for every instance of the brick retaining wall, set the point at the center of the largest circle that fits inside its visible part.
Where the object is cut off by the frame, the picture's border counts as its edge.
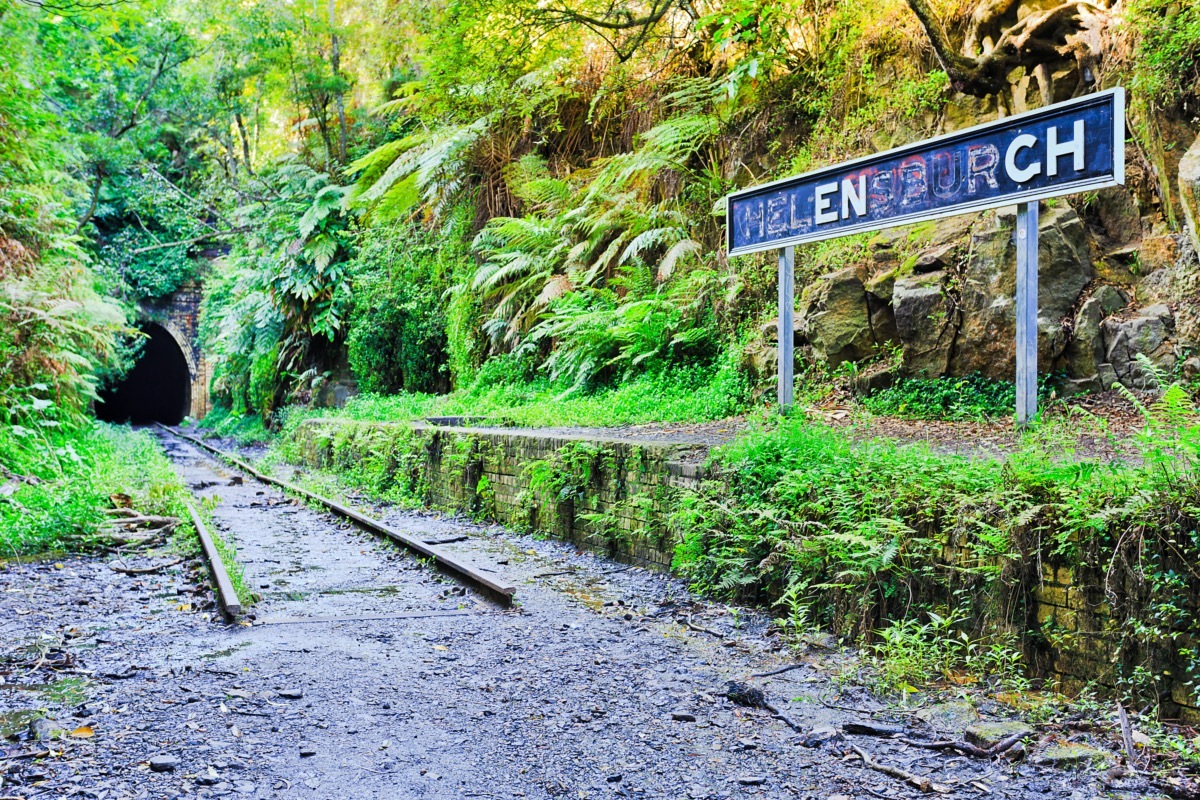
(616, 503)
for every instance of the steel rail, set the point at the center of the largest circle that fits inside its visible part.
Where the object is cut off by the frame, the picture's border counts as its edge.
(226, 594)
(495, 588)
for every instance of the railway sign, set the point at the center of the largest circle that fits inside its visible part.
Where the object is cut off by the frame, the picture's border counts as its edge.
(1061, 149)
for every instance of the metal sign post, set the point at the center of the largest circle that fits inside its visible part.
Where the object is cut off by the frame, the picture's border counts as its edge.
(1061, 149)
(1027, 308)
(787, 311)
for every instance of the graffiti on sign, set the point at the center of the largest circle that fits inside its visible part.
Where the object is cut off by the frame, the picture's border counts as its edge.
(1061, 149)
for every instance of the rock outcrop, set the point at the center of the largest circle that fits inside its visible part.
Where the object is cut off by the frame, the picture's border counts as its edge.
(1189, 191)
(836, 319)
(925, 323)
(951, 306)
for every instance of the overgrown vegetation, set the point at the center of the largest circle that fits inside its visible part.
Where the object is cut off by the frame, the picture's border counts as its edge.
(885, 539)
(58, 485)
(509, 391)
(970, 398)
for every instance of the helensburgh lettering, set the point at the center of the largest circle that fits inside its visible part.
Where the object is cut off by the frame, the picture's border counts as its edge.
(1057, 150)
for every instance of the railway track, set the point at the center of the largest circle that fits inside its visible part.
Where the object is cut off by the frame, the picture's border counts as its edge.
(496, 588)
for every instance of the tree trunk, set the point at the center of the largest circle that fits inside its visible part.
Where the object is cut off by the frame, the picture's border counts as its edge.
(241, 126)
(335, 61)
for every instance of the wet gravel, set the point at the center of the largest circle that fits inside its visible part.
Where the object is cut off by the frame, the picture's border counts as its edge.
(365, 674)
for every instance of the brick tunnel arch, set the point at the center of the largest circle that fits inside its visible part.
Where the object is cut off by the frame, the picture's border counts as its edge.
(159, 386)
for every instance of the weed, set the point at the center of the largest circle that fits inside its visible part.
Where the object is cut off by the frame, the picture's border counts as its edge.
(62, 482)
(971, 398)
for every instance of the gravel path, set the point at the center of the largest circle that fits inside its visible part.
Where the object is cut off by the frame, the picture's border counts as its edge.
(593, 687)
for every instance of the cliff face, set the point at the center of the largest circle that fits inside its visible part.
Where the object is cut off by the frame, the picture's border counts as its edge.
(1118, 270)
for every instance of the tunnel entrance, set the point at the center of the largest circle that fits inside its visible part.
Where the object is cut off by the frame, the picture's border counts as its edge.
(157, 389)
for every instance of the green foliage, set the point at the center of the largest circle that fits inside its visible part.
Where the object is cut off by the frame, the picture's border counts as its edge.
(508, 389)
(971, 398)
(397, 337)
(242, 428)
(60, 484)
(907, 653)
(1166, 61)
(281, 295)
(397, 340)
(57, 334)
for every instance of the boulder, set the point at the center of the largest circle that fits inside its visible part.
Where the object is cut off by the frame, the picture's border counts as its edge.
(1064, 269)
(42, 729)
(924, 323)
(1189, 191)
(1158, 252)
(760, 357)
(986, 342)
(880, 286)
(938, 257)
(964, 110)
(1147, 332)
(768, 332)
(1118, 215)
(990, 734)
(835, 318)
(883, 320)
(988, 296)
(1070, 754)
(1086, 349)
(1157, 287)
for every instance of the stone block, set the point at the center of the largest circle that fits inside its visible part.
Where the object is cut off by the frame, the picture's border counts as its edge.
(988, 734)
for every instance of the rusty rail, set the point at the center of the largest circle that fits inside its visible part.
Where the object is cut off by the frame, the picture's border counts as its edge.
(225, 591)
(495, 588)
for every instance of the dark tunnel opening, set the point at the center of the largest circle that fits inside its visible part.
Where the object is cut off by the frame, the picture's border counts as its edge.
(157, 389)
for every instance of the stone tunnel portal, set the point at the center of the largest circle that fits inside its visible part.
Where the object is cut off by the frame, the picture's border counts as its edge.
(157, 389)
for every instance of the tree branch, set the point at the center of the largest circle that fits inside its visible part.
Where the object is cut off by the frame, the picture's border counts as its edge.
(1031, 42)
(91, 210)
(161, 69)
(193, 240)
(979, 77)
(613, 20)
(187, 196)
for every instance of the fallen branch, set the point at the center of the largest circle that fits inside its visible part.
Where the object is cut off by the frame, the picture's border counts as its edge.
(965, 747)
(123, 512)
(1126, 736)
(141, 519)
(919, 781)
(779, 715)
(692, 626)
(193, 240)
(556, 574)
(30, 754)
(779, 671)
(144, 570)
(999, 748)
(138, 542)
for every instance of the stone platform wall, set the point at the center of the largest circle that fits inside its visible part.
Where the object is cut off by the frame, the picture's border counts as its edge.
(609, 495)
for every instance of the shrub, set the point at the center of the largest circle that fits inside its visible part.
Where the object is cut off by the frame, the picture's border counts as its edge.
(397, 338)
